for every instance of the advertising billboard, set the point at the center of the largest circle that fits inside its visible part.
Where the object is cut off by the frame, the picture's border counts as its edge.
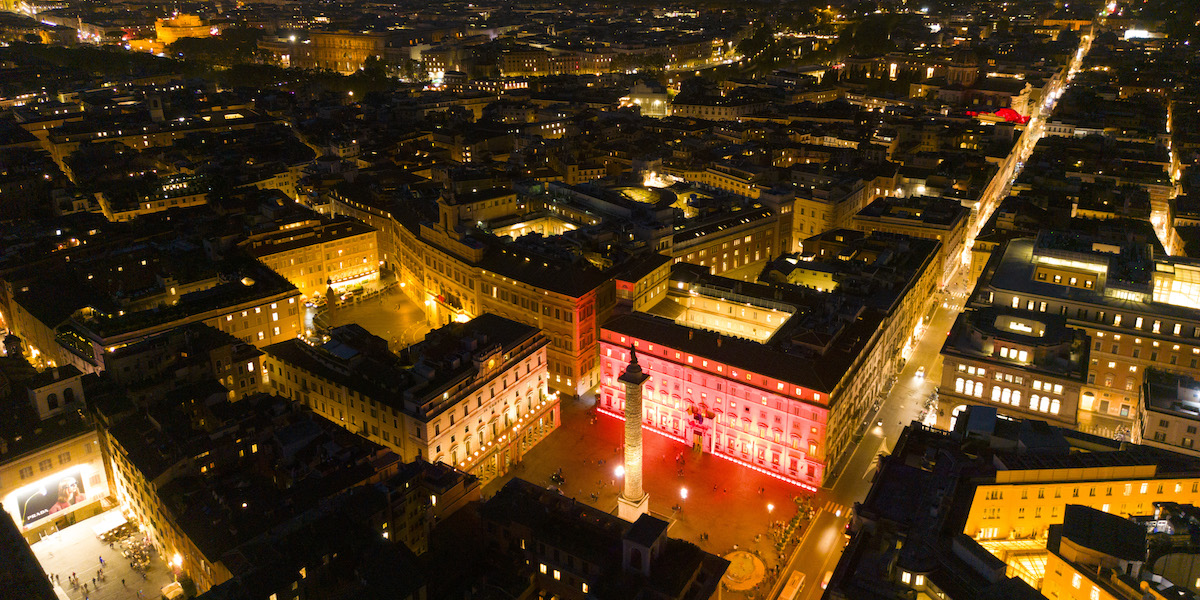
(54, 494)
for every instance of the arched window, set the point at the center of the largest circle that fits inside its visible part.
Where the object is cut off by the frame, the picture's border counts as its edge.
(958, 385)
(52, 400)
(1054, 406)
(954, 414)
(995, 393)
(978, 389)
(1033, 402)
(1006, 396)
(1016, 397)
(68, 395)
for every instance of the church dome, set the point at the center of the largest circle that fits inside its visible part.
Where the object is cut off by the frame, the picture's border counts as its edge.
(964, 57)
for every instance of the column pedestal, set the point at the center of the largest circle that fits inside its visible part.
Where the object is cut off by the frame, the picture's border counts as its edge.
(630, 510)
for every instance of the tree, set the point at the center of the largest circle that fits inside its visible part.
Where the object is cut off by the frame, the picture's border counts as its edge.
(375, 67)
(412, 70)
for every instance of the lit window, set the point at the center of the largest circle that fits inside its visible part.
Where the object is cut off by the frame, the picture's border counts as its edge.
(919, 580)
(1076, 580)
(544, 570)
(585, 588)
(905, 577)
(557, 575)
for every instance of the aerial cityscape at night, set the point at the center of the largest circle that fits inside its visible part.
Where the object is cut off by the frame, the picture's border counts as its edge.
(617, 300)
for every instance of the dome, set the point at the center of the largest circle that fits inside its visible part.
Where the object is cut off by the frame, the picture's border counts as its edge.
(964, 57)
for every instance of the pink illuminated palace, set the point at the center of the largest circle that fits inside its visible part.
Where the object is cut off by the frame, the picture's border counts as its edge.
(758, 417)
(780, 374)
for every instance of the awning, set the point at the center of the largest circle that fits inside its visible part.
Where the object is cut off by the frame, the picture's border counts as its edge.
(172, 590)
(112, 520)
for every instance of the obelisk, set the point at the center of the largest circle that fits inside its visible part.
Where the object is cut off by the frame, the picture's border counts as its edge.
(633, 501)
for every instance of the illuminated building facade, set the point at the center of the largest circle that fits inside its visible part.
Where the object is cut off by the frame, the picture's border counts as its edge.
(776, 375)
(720, 395)
(51, 466)
(181, 26)
(316, 256)
(1026, 364)
(1137, 309)
(1168, 412)
(206, 475)
(253, 304)
(940, 219)
(456, 277)
(1094, 555)
(474, 395)
(983, 517)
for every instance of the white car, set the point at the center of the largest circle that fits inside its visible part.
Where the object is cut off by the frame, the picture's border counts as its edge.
(921, 373)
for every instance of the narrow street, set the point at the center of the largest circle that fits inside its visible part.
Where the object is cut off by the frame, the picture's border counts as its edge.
(822, 544)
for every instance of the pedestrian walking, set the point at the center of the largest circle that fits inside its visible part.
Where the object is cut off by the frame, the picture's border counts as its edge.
(122, 583)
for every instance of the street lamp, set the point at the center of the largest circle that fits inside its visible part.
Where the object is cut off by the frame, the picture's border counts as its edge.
(770, 508)
(620, 470)
(24, 509)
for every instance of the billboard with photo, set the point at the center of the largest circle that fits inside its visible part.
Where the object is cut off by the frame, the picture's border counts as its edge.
(55, 494)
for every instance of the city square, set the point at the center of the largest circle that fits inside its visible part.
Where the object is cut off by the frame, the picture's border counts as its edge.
(77, 551)
(719, 505)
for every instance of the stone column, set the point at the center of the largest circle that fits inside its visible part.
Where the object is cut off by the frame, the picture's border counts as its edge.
(633, 501)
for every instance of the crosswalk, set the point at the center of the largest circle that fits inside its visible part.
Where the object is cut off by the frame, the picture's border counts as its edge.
(835, 508)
